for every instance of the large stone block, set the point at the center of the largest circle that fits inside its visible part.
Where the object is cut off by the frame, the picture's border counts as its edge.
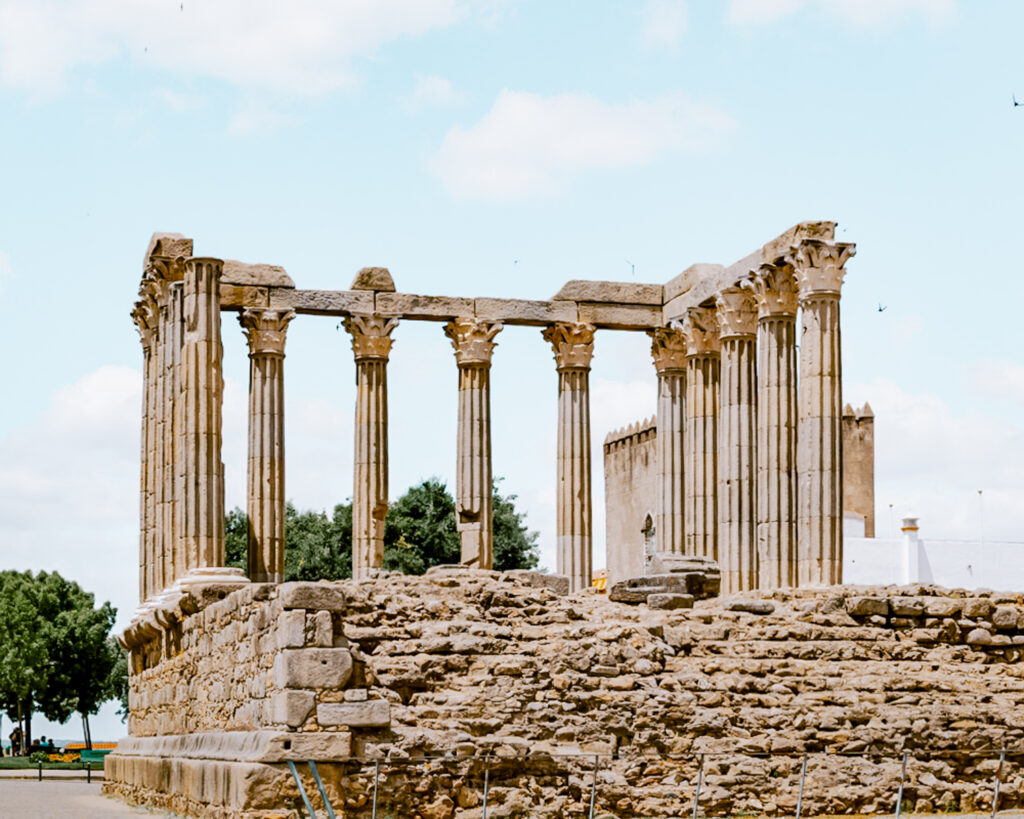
(638, 589)
(292, 707)
(318, 596)
(313, 668)
(291, 629)
(368, 714)
(558, 583)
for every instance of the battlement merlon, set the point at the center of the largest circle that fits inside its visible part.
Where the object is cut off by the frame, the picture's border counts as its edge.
(603, 304)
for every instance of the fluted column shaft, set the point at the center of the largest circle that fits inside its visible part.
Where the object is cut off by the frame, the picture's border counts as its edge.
(737, 457)
(775, 289)
(265, 332)
(573, 345)
(176, 464)
(668, 348)
(202, 394)
(146, 315)
(473, 342)
(371, 345)
(819, 268)
(701, 439)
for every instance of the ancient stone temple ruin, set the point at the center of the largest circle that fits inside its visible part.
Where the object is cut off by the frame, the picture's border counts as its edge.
(418, 694)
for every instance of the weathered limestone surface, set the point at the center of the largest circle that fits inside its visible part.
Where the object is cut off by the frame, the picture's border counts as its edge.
(703, 364)
(469, 663)
(774, 287)
(859, 465)
(473, 341)
(819, 274)
(631, 487)
(265, 332)
(668, 348)
(737, 458)
(371, 345)
(573, 345)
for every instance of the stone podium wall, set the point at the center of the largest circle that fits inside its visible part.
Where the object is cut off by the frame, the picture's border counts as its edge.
(473, 665)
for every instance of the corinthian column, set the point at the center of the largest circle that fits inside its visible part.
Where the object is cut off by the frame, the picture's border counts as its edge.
(202, 393)
(819, 274)
(265, 331)
(775, 290)
(371, 344)
(473, 340)
(701, 447)
(146, 316)
(737, 462)
(668, 348)
(573, 345)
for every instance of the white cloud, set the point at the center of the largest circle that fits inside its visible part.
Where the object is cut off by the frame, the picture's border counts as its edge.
(860, 13)
(432, 92)
(304, 46)
(256, 116)
(664, 22)
(5, 267)
(177, 101)
(932, 461)
(530, 144)
(1002, 380)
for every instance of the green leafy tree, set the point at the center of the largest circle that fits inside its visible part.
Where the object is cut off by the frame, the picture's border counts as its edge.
(117, 679)
(419, 532)
(515, 546)
(54, 650)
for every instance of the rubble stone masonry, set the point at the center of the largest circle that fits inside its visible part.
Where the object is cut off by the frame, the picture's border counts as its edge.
(504, 672)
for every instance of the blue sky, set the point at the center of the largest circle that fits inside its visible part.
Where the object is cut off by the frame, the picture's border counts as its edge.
(499, 148)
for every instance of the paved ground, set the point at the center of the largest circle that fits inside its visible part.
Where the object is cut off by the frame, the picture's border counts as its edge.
(62, 799)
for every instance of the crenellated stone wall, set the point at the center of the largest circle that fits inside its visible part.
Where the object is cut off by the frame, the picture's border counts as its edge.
(473, 666)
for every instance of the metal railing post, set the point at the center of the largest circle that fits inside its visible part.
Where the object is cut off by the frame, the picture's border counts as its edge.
(999, 774)
(302, 789)
(88, 773)
(899, 793)
(700, 781)
(487, 772)
(376, 777)
(320, 787)
(593, 787)
(800, 797)
(40, 771)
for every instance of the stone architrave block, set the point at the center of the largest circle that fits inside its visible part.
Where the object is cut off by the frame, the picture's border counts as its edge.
(670, 601)
(942, 607)
(318, 596)
(977, 607)
(368, 714)
(908, 606)
(323, 629)
(291, 629)
(292, 707)
(312, 668)
(638, 589)
(558, 583)
(865, 606)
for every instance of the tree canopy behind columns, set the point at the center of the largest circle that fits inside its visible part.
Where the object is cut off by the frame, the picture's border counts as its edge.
(419, 532)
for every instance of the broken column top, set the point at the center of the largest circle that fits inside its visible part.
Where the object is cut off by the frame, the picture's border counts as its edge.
(374, 278)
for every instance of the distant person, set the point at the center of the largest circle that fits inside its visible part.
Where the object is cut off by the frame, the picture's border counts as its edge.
(15, 738)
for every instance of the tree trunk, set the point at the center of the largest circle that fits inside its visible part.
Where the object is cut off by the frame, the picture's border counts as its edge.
(27, 741)
(87, 734)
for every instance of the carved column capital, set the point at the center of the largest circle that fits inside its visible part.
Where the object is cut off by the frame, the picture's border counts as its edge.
(371, 335)
(701, 328)
(668, 349)
(737, 313)
(146, 315)
(573, 344)
(168, 268)
(774, 289)
(473, 340)
(819, 266)
(265, 329)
